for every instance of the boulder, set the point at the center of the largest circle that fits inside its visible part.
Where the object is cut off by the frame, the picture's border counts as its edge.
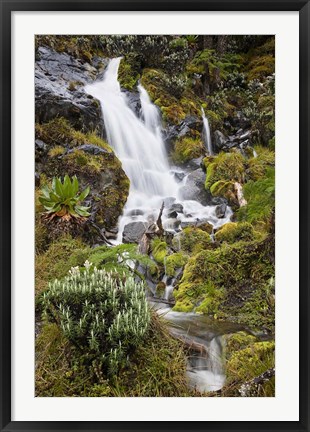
(220, 211)
(133, 232)
(194, 188)
(59, 92)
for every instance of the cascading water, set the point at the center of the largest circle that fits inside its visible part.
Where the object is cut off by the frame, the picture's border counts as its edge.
(207, 134)
(139, 145)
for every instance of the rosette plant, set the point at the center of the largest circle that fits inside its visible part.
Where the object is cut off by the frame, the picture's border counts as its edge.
(63, 199)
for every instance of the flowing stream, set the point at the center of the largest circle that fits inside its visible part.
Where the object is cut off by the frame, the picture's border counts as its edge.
(138, 143)
(207, 133)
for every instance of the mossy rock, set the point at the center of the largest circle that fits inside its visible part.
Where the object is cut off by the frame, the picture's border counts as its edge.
(174, 262)
(248, 363)
(226, 166)
(128, 72)
(240, 276)
(186, 149)
(193, 240)
(93, 162)
(237, 341)
(159, 250)
(160, 289)
(232, 232)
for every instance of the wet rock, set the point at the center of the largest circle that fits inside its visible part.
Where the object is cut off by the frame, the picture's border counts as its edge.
(179, 176)
(219, 140)
(90, 149)
(134, 231)
(177, 207)
(194, 188)
(59, 92)
(220, 211)
(134, 102)
(172, 215)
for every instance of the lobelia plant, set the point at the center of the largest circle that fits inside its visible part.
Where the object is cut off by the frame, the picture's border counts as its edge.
(63, 199)
(104, 317)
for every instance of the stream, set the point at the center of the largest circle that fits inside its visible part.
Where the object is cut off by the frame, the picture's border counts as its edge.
(138, 142)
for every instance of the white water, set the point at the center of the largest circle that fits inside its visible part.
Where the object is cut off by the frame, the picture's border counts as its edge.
(138, 143)
(206, 129)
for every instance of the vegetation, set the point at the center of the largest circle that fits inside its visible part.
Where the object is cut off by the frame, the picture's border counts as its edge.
(98, 336)
(63, 199)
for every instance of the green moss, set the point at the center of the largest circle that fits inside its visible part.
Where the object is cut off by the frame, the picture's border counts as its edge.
(56, 151)
(128, 74)
(186, 149)
(58, 259)
(233, 231)
(240, 274)
(248, 363)
(59, 132)
(159, 250)
(193, 240)
(156, 369)
(225, 166)
(174, 262)
(258, 166)
(160, 289)
(261, 66)
(237, 341)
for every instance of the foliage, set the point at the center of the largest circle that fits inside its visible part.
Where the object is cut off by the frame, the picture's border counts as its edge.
(103, 317)
(187, 148)
(233, 231)
(260, 196)
(193, 240)
(174, 262)
(159, 250)
(225, 166)
(63, 199)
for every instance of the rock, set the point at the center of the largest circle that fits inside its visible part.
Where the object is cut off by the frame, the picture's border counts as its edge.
(174, 132)
(179, 176)
(134, 231)
(177, 207)
(220, 211)
(195, 163)
(59, 92)
(219, 140)
(172, 215)
(134, 101)
(90, 149)
(194, 188)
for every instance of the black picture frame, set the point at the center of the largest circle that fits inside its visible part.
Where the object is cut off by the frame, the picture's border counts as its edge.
(7, 7)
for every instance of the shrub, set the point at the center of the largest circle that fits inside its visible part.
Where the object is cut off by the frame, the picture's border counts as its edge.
(63, 200)
(103, 317)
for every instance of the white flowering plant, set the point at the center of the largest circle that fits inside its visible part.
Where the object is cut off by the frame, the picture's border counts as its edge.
(104, 317)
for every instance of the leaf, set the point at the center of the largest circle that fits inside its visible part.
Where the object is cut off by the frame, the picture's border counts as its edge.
(59, 187)
(45, 191)
(75, 185)
(84, 194)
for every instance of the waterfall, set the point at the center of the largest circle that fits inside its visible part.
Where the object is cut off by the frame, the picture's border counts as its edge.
(207, 134)
(136, 143)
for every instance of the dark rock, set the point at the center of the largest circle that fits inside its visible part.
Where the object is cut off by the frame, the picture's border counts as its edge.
(177, 207)
(172, 215)
(40, 145)
(59, 92)
(195, 163)
(91, 149)
(134, 231)
(219, 140)
(194, 188)
(220, 211)
(179, 176)
(134, 102)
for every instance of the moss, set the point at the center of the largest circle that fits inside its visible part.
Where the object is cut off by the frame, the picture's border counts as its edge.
(156, 369)
(128, 74)
(237, 341)
(258, 166)
(261, 66)
(234, 231)
(240, 273)
(160, 289)
(159, 250)
(174, 262)
(250, 362)
(193, 240)
(59, 132)
(226, 166)
(186, 149)
(56, 151)
(58, 259)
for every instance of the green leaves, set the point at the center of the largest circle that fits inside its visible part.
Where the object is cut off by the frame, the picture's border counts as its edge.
(63, 199)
